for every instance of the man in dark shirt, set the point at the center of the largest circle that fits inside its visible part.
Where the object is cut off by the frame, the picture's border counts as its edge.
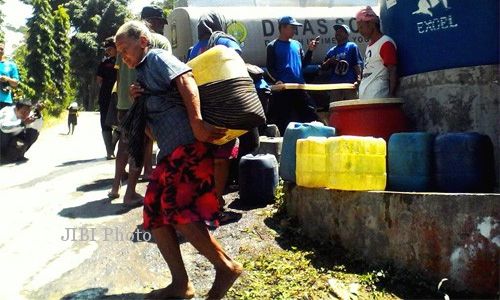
(106, 78)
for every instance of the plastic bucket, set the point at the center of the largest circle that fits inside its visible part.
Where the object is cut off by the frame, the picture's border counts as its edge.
(368, 117)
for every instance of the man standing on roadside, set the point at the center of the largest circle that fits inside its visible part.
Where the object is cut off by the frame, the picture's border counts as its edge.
(285, 61)
(344, 61)
(380, 76)
(153, 16)
(9, 78)
(106, 78)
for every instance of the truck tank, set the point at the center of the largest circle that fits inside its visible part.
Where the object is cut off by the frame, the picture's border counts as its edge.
(255, 27)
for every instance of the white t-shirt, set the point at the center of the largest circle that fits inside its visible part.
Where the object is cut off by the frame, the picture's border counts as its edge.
(9, 123)
(375, 82)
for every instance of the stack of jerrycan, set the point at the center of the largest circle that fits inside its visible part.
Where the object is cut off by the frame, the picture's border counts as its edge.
(409, 162)
(464, 163)
(294, 132)
(258, 178)
(352, 163)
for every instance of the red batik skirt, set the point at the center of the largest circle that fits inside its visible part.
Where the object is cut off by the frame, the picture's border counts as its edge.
(181, 189)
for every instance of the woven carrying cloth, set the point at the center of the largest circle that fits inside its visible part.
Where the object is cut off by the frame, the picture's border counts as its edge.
(134, 125)
(231, 103)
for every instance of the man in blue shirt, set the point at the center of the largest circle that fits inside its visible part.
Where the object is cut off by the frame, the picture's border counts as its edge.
(9, 78)
(211, 32)
(344, 61)
(207, 25)
(285, 61)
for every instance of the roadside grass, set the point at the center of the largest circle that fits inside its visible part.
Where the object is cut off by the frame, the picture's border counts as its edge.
(305, 269)
(51, 121)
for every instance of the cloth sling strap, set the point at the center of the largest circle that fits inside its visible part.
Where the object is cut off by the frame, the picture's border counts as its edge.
(231, 103)
(134, 125)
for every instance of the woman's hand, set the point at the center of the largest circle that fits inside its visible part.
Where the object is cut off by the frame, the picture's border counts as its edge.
(205, 132)
(135, 90)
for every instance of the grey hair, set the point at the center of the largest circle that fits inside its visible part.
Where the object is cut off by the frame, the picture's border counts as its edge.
(134, 30)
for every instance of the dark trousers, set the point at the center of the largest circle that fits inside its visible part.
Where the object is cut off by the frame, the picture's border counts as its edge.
(291, 106)
(103, 110)
(13, 147)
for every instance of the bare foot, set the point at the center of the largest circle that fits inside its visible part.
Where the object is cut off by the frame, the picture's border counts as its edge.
(224, 280)
(172, 292)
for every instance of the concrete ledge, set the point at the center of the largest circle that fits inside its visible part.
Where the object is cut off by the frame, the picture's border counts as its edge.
(454, 236)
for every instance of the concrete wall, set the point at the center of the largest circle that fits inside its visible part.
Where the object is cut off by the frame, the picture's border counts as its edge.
(454, 236)
(461, 99)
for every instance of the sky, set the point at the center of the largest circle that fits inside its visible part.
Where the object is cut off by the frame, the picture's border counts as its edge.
(16, 19)
(15, 14)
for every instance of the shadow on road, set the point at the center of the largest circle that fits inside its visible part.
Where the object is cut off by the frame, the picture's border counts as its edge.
(100, 293)
(140, 235)
(97, 185)
(76, 162)
(95, 209)
(239, 204)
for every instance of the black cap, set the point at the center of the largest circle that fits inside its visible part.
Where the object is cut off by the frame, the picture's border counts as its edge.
(152, 12)
(343, 26)
(24, 102)
(109, 42)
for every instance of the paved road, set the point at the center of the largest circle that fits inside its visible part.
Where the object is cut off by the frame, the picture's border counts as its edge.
(51, 206)
(62, 238)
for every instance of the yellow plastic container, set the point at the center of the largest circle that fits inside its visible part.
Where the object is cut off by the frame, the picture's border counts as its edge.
(216, 64)
(311, 168)
(231, 134)
(356, 163)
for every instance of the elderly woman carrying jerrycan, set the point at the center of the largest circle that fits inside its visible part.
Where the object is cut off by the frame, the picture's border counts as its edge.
(181, 194)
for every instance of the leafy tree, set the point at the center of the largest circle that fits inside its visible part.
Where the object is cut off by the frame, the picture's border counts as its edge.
(41, 52)
(47, 46)
(167, 5)
(113, 17)
(84, 62)
(98, 20)
(86, 17)
(62, 49)
(23, 90)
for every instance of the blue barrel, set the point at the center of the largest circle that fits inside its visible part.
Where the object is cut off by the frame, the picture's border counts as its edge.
(293, 132)
(439, 25)
(258, 178)
(409, 162)
(464, 163)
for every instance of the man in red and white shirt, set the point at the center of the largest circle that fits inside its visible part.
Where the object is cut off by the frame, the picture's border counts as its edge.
(380, 69)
